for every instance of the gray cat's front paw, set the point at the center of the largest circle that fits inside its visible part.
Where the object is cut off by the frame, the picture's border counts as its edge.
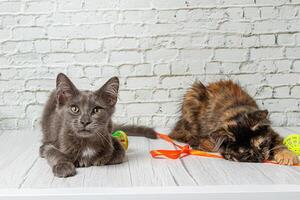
(42, 151)
(64, 169)
(100, 162)
(46, 148)
(115, 161)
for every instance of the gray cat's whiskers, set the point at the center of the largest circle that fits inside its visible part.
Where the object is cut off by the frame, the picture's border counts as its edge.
(103, 137)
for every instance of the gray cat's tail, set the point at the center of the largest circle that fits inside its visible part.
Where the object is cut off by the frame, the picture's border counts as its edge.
(133, 130)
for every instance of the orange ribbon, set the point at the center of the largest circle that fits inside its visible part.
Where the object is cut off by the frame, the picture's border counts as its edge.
(181, 152)
(184, 151)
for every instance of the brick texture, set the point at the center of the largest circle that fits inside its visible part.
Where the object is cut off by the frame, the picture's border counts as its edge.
(156, 47)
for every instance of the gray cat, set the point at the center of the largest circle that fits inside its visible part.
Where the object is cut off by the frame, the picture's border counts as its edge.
(77, 127)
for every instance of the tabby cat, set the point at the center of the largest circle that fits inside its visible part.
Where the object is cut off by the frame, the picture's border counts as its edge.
(223, 118)
(77, 127)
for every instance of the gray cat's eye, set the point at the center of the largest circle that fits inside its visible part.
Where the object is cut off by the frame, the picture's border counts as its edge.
(97, 109)
(74, 109)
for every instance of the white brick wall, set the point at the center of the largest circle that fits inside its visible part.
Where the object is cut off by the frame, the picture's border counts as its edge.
(156, 47)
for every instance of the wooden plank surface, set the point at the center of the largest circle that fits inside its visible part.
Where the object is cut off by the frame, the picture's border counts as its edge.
(20, 167)
(239, 192)
(18, 153)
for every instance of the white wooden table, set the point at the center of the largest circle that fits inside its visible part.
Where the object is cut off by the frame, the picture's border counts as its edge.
(23, 175)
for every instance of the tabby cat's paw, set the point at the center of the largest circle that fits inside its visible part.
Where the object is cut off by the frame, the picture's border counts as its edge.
(230, 157)
(286, 157)
(64, 169)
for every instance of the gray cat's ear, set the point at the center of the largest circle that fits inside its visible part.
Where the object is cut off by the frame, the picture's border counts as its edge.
(109, 91)
(65, 89)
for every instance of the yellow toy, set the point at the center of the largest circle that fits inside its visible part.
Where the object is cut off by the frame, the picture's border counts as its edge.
(122, 137)
(293, 143)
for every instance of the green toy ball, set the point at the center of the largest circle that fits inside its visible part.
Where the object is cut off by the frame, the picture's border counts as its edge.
(122, 137)
(293, 143)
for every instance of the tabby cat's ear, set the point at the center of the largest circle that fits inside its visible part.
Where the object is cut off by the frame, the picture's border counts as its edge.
(259, 115)
(109, 91)
(258, 118)
(65, 89)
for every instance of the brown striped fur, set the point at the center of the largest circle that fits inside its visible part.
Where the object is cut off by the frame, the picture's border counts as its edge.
(222, 117)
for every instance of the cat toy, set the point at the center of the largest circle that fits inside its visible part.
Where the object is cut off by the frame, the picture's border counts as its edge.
(293, 143)
(122, 137)
(183, 151)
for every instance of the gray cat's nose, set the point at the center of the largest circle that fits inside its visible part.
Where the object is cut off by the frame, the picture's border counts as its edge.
(85, 122)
